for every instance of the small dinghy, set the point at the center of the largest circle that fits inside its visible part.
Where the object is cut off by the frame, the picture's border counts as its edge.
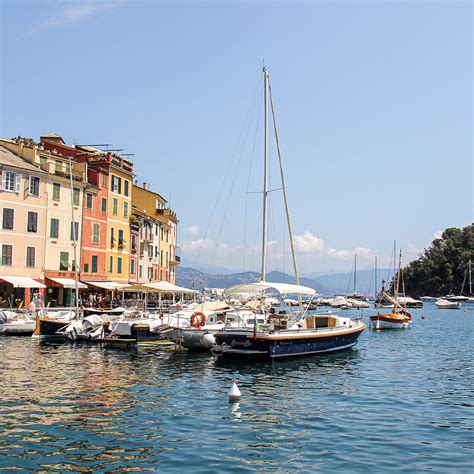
(445, 304)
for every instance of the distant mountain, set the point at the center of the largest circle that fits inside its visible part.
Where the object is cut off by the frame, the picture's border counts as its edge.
(343, 282)
(210, 269)
(192, 278)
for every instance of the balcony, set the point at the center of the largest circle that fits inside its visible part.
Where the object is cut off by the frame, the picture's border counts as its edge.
(121, 244)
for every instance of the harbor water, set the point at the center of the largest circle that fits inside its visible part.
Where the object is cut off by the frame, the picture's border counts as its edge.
(402, 400)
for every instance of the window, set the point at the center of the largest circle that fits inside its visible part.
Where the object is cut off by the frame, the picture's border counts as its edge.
(134, 242)
(86, 268)
(30, 256)
(7, 254)
(58, 166)
(56, 191)
(8, 218)
(34, 187)
(32, 222)
(54, 229)
(116, 184)
(94, 264)
(167, 235)
(104, 180)
(120, 238)
(125, 187)
(111, 264)
(119, 264)
(167, 260)
(150, 251)
(64, 260)
(125, 209)
(150, 273)
(104, 205)
(112, 237)
(140, 271)
(76, 194)
(11, 182)
(161, 258)
(115, 206)
(132, 267)
(96, 234)
(74, 230)
(89, 200)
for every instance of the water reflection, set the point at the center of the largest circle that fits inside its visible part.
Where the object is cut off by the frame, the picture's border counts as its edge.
(84, 408)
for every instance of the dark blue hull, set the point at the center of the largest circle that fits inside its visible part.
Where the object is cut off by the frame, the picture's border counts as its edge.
(245, 345)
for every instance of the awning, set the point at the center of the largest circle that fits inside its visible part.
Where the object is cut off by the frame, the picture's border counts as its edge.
(22, 281)
(107, 285)
(67, 282)
(262, 286)
(165, 287)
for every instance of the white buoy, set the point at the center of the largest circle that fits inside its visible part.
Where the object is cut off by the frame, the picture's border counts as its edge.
(208, 340)
(234, 392)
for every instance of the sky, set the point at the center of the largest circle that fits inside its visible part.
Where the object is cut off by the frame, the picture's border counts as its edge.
(373, 105)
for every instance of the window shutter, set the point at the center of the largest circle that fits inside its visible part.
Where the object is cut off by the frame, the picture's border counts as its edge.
(17, 183)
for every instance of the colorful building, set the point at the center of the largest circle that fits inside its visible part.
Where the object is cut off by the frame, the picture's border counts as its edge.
(23, 209)
(154, 205)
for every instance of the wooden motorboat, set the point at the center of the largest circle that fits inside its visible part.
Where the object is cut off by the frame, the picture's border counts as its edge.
(393, 320)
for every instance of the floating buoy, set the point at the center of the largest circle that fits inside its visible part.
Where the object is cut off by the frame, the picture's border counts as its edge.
(422, 317)
(208, 340)
(234, 392)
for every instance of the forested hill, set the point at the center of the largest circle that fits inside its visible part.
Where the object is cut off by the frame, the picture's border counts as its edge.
(442, 267)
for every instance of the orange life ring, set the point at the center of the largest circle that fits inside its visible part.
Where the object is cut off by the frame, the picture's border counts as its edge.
(198, 323)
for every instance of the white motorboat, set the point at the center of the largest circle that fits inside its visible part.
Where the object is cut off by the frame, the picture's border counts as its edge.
(14, 324)
(446, 304)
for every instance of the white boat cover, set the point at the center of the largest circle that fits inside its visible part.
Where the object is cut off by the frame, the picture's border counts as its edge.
(22, 281)
(212, 306)
(166, 287)
(263, 286)
(107, 285)
(67, 282)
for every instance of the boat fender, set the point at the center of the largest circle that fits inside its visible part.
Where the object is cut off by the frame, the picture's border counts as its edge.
(198, 323)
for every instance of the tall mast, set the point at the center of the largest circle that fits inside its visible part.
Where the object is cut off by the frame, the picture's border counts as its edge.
(398, 275)
(265, 179)
(355, 272)
(470, 277)
(283, 185)
(74, 241)
(394, 265)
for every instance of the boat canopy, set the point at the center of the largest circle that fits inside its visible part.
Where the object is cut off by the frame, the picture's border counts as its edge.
(108, 285)
(263, 286)
(22, 281)
(166, 287)
(67, 282)
(212, 306)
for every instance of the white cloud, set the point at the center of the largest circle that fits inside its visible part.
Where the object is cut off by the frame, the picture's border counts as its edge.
(68, 13)
(189, 246)
(438, 234)
(192, 230)
(308, 243)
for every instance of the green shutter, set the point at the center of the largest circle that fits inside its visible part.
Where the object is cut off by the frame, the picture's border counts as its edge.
(94, 263)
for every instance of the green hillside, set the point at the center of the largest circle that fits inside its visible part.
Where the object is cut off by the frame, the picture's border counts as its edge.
(441, 269)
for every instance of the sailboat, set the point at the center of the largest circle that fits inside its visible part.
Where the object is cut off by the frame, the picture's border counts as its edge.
(284, 334)
(461, 297)
(395, 319)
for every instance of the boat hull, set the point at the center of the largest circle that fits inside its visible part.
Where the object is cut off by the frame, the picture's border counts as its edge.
(378, 323)
(48, 328)
(17, 328)
(245, 345)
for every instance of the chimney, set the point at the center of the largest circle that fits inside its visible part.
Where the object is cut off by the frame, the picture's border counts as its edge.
(136, 182)
(145, 186)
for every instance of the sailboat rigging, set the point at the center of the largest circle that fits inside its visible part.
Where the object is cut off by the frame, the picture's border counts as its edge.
(282, 334)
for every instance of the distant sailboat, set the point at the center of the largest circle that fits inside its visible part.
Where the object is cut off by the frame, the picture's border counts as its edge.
(395, 319)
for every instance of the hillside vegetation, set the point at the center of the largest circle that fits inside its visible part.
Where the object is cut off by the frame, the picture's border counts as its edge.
(441, 268)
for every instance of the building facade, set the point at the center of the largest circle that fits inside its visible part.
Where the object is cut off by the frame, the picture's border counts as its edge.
(23, 212)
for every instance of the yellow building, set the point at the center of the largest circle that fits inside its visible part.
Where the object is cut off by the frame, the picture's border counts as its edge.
(117, 175)
(155, 205)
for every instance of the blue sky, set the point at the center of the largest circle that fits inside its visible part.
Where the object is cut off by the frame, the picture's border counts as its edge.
(373, 100)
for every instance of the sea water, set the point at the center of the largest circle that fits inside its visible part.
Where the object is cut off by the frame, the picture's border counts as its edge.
(402, 400)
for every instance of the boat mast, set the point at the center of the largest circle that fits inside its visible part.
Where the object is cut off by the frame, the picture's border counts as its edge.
(285, 198)
(394, 265)
(265, 179)
(470, 277)
(355, 272)
(74, 240)
(398, 275)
